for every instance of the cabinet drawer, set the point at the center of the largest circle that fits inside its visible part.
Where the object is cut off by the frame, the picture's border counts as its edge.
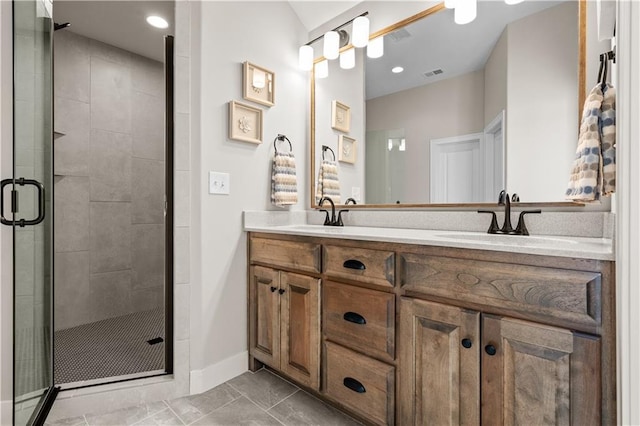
(568, 297)
(287, 254)
(359, 264)
(360, 318)
(360, 383)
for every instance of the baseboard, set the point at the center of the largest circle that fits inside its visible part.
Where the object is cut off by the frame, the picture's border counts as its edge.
(6, 412)
(213, 375)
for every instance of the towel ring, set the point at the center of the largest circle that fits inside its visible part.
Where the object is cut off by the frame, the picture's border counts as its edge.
(325, 149)
(282, 138)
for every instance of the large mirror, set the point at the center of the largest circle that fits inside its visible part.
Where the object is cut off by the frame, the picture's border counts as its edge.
(477, 108)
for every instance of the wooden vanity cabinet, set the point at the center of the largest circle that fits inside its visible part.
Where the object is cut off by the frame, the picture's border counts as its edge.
(422, 335)
(284, 318)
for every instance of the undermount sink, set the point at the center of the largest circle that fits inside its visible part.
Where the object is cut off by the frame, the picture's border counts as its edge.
(507, 239)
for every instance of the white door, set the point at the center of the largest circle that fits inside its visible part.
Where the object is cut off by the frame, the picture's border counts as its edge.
(494, 158)
(456, 169)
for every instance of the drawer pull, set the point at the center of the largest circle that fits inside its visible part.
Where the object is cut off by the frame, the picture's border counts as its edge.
(354, 264)
(354, 318)
(354, 385)
(490, 350)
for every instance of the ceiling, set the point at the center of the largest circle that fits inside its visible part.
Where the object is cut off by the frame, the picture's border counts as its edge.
(119, 23)
(437, 42)
(313, 13)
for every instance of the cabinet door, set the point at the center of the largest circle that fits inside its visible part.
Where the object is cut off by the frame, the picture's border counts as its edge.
(300, 328)
(538, 375)
(439, 363)
(264, 316)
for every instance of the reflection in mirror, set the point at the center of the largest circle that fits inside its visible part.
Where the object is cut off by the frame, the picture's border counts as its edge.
(480, 107)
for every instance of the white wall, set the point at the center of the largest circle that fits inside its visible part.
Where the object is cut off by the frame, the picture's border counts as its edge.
(347, 87)
(443, 109)
(539, 149)
(266, 34)
(495, 80)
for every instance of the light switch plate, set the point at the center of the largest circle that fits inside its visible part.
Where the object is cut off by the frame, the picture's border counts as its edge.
(219, 183)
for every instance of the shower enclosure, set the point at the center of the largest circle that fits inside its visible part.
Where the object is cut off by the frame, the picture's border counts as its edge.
(90, 201)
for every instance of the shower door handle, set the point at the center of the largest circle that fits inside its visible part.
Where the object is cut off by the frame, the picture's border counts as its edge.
(14, 202)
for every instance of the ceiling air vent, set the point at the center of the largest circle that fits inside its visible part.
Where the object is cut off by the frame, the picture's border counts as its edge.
(434, 72)
(398, 35)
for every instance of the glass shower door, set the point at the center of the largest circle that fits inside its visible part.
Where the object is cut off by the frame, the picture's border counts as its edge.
(26, 205)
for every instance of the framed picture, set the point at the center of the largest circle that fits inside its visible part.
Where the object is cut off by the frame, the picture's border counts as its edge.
(346, 149)
(245, 122)
(340, 116)
(258, 84)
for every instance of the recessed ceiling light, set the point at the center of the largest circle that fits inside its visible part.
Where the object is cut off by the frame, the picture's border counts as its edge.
(158, 22)
(397, 70)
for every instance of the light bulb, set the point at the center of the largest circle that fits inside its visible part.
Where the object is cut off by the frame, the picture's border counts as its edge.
(360, 31)
(397, 70)
(348, 59)
(375, 49)
(331, 45)
(305, 58)
(465, 11)
(322, 69)
(513, 1)
(450, 4)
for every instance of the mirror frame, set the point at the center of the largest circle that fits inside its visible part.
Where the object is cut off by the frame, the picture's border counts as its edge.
(582, 78)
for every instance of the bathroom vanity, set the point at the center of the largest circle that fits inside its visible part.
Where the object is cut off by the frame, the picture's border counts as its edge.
(400, 326)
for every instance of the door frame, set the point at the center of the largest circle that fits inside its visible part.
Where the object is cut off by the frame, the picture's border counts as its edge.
(492, 188)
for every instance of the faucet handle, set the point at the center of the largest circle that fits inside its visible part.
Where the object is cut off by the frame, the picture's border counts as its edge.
(339, 220)
(327, 221)
(493, 227)
(521, 228)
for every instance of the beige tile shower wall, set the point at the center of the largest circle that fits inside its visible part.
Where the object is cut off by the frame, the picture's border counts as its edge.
(109, 181)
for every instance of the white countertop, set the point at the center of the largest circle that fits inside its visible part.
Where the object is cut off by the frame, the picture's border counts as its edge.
(575, 247)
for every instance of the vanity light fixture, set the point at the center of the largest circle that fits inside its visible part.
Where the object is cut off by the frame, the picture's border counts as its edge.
(157, 21)
(397, 70)
(348, 59)
(334, 40)
(465, 11)
(375, 49)
(513, 1)
(322, 69)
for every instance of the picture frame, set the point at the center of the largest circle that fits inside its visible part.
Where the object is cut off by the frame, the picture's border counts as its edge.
(340, 116)
(347, 149)
(245, 122)
(258, 84)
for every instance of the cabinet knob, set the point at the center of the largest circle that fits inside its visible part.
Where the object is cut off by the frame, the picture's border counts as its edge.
(490, 350)
(273, 289)
(467, 343)
(281, 291)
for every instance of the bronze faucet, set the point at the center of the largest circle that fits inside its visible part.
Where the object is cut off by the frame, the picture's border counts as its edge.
(507, 228)
(331, 221)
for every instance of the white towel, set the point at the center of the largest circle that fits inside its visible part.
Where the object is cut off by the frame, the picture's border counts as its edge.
(328, 182)
(594, 169)
(284, 183)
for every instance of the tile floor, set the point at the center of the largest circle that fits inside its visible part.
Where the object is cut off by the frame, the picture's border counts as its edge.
(260, 398)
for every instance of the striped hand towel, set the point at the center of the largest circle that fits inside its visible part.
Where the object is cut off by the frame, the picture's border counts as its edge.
(593, 172)
(328, 183)
(284, 184)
